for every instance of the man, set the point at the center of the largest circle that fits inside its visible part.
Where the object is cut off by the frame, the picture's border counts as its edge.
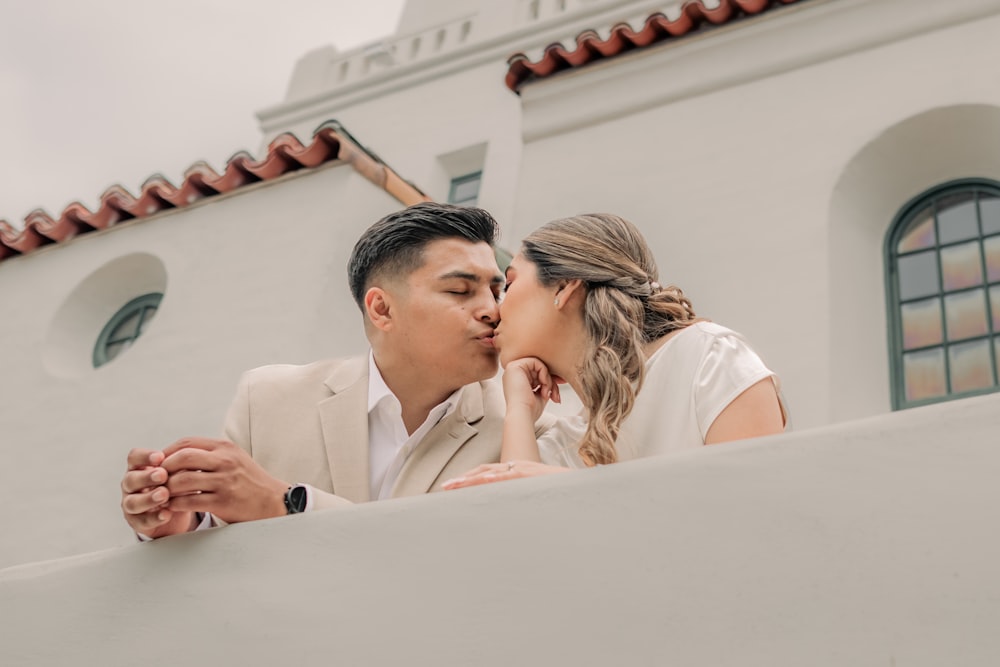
(419, 409)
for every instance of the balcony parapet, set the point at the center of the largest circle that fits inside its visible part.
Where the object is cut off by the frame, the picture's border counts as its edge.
(864, 543)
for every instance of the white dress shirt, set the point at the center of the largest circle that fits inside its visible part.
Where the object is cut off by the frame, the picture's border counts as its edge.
(389, 445)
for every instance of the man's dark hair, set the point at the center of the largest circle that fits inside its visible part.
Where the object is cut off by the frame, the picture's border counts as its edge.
(394, 245)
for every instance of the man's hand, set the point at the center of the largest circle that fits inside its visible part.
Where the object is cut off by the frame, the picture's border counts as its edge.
(145, 497)
(217, 476)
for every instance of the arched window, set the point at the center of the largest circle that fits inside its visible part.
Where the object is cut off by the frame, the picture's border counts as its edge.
(124, 327)
(943, 290)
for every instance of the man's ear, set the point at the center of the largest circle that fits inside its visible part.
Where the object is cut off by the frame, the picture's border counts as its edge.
(378, 308)
(566, 291)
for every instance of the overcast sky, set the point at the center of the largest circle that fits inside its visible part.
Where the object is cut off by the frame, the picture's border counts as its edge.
(99, 92)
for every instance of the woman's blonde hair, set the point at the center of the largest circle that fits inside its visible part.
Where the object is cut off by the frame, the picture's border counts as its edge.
(624, 309)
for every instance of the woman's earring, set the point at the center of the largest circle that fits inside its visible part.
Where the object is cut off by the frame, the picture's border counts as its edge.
(556, 302)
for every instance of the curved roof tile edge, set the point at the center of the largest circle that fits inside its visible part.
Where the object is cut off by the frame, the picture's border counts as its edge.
(656, 28)
(284, 155)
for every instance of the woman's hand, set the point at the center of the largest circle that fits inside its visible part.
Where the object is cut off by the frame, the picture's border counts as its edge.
(527, 384)
(499, 472)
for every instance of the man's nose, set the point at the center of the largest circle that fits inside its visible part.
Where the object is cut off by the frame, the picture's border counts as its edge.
(490, 310)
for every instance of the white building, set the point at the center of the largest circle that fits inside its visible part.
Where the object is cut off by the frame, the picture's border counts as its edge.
(246, 267)
(767, 157)
(817, 174)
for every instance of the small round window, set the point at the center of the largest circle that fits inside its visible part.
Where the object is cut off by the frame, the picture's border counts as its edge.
(125, 326)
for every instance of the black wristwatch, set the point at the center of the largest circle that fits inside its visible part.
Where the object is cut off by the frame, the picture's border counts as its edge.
(295, 499)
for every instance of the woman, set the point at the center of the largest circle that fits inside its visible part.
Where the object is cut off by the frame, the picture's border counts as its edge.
(583, 306)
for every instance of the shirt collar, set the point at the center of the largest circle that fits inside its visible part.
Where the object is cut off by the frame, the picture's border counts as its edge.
(378, 391)
(377, 388)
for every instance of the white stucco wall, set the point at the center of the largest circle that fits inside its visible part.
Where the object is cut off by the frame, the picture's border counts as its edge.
(747, 159)
(418, 125)
(254, 277)
(864, 544)
(430, 99)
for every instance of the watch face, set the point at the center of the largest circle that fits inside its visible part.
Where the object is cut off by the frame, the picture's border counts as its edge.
(297, 498)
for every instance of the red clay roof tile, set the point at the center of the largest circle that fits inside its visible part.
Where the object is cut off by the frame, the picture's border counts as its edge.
(284, 155)
(589, 47)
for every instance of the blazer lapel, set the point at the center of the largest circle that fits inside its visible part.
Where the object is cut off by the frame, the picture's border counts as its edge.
(434, 452)
(344, 417)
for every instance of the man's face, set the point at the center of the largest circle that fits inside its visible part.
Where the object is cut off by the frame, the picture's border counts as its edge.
(446, 312)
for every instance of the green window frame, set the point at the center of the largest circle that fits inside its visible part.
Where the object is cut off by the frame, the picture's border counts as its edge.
(124, 327)
(464, 190)
(942, 259)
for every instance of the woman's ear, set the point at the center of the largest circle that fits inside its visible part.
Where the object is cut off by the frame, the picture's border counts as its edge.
(566, 291)
(377, 308)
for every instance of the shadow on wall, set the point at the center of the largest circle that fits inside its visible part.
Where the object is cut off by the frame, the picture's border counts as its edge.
(914, 155)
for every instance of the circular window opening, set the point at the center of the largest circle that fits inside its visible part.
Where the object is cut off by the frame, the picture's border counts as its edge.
(92, 324)
(125, 327)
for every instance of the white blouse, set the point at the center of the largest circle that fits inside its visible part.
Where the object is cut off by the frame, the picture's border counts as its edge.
(689, 381)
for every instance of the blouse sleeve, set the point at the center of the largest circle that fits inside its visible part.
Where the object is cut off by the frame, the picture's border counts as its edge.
(728, 368)
(559, 446)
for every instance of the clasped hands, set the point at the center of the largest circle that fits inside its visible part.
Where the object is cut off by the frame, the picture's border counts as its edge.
(163, 490)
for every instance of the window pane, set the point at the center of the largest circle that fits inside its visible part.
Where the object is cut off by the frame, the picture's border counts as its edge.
(923, 374)
(957, 218)
(961, 266)
(991, 247)
(919, 233)
(465, 189)
(970, 366)
(921, 323)
(995, 300)
(989, 209)
(966, 314)
(126, 329)
(918, 275)
(147, 316)
(112, 350)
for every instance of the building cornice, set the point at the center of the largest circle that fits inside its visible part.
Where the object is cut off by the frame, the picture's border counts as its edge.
(693, 17)
(401, 72)
(791, 38)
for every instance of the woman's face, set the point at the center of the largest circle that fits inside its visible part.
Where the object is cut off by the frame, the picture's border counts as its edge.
(528, 317)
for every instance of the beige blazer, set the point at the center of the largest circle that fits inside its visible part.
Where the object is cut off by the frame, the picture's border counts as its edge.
(309, 425)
